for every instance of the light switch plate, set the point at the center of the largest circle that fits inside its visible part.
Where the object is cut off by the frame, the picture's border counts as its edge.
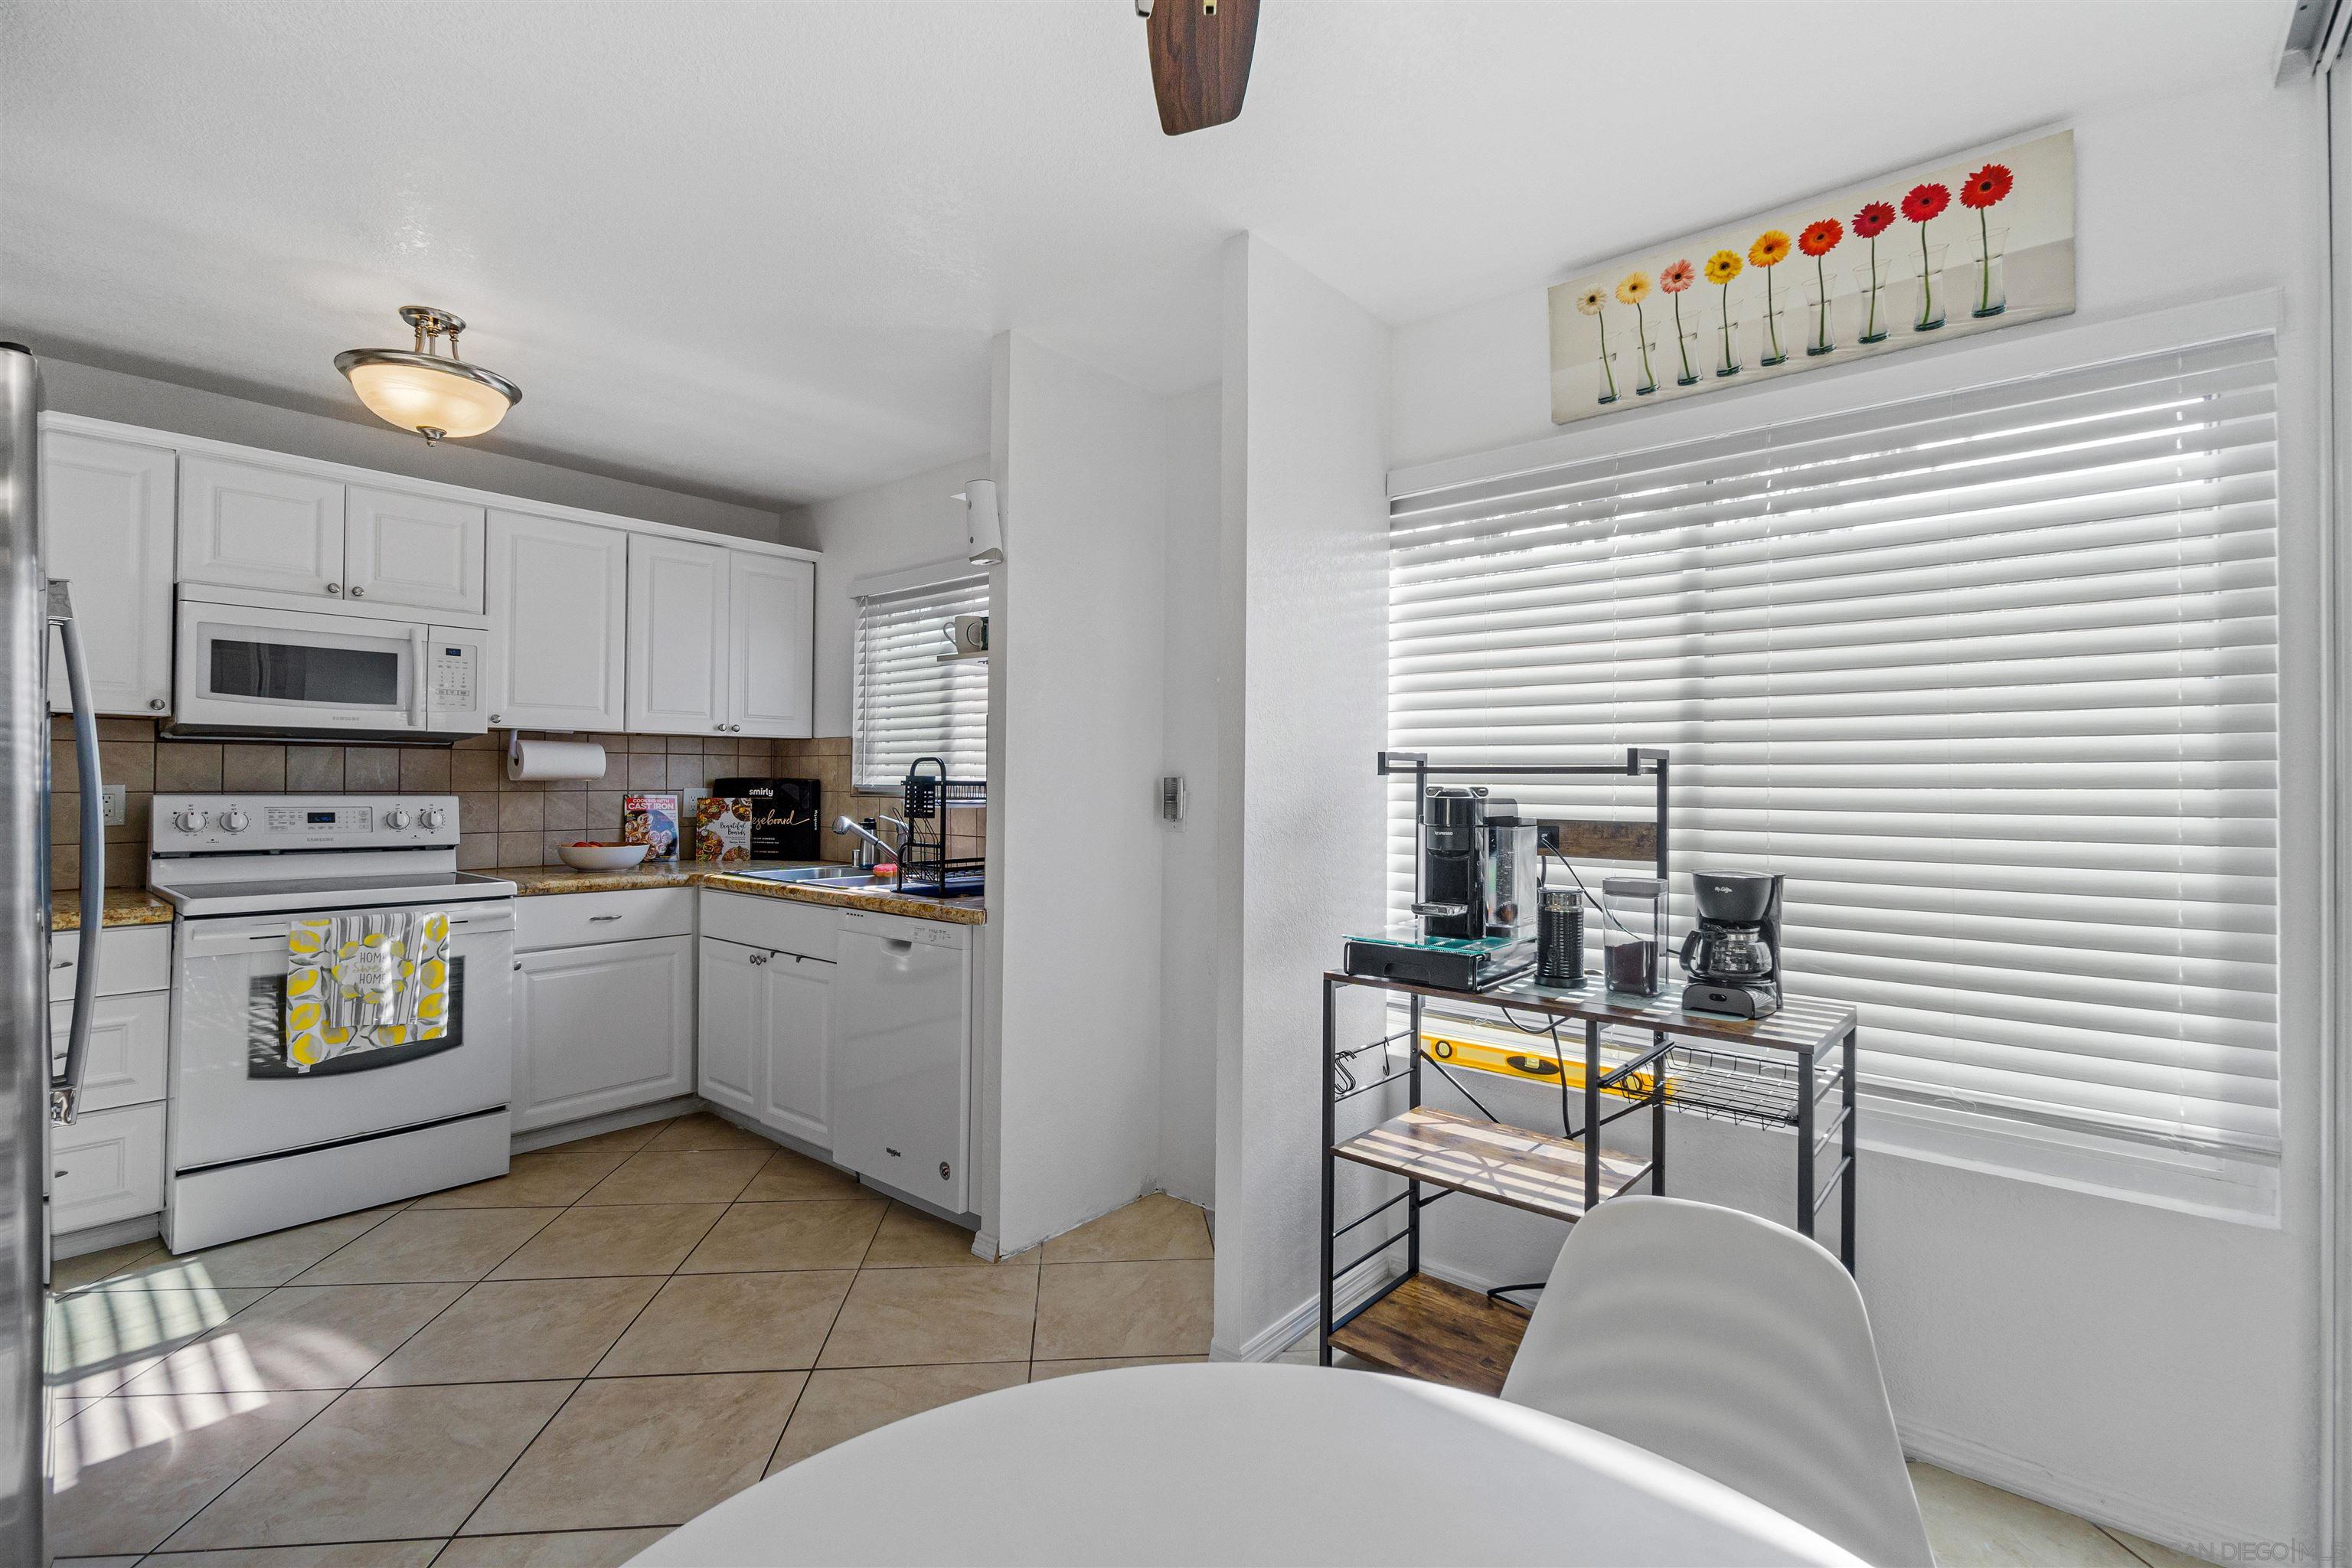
(117, 804)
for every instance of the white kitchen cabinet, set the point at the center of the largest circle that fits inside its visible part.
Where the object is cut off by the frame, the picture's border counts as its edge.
(420, 552)
(733, 1017)
(107, 1166)
(106, 526)
(246, 526)
(558, 596)
(678, 637)
(601, 1028)
(771, 615)
(764, 1035)
(128, 1039)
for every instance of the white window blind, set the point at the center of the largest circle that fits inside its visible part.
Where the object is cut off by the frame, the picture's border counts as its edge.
(1992, 677)
(905, 703)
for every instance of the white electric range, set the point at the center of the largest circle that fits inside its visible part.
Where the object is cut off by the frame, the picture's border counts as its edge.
(253, 1144)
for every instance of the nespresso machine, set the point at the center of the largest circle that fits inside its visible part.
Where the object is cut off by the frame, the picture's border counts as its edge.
(1733, 954)
(1475, 921)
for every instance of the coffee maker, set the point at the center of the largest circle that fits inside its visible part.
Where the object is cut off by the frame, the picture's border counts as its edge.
(1733, 954)
(1477, 867)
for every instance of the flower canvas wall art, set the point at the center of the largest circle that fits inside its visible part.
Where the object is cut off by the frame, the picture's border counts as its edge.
(1938, 253)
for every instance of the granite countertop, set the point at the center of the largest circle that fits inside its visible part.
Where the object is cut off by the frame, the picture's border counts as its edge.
(124, 907)
(534, 880)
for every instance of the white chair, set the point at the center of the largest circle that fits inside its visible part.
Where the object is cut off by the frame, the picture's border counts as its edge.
(1736, 1347)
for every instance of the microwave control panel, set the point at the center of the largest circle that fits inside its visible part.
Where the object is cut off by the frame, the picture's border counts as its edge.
(453, 675)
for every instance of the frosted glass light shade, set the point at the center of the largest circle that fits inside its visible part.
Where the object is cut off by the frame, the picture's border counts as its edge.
(419, 393)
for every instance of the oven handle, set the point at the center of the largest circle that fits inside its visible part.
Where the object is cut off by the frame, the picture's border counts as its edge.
(416, 678)
(216, 943)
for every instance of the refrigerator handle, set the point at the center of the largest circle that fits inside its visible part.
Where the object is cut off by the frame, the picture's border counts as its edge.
(65, 1088)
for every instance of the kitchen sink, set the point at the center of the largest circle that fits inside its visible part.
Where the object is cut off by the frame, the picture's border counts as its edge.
(824, 876)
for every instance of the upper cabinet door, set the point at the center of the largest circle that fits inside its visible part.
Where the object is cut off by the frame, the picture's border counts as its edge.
(678, 637)
(244, 526)
(558, 596)
(106, 526)
(411, 550)
(771, 606)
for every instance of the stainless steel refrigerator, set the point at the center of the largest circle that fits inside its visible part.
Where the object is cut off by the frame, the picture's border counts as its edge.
(33, 1086)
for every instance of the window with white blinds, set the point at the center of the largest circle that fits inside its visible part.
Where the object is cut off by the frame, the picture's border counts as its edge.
(1992, 677)
(905, 703)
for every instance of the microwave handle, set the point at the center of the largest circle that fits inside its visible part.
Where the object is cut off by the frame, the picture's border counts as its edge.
(416, 719)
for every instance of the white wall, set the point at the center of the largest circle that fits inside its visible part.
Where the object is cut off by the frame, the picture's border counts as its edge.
(1074, 842)
(908, 522)
(189, 411)
(2153, 1369)
(1191, 692)
(1306, 526)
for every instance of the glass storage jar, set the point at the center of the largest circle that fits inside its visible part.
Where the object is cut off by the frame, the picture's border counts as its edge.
(1634, 935)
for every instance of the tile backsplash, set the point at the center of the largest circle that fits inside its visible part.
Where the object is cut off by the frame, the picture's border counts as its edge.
(500, 823)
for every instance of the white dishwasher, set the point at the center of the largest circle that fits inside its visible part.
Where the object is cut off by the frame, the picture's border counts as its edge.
(901, 1055)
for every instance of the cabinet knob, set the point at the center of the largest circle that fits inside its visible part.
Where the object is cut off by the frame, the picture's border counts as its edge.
(494, 718)
(334, 587)
(156, 703)
(358, 592)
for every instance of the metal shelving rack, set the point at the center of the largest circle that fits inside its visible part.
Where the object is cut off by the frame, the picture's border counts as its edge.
(1647, 1053)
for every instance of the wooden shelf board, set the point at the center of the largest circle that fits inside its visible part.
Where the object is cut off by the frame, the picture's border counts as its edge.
(1438, 1332)
(1510, 1165)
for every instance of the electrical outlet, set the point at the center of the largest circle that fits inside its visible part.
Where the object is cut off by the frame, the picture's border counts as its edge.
(117, 804)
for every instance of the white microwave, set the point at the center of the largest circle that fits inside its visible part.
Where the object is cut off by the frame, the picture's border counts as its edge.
(250, 665)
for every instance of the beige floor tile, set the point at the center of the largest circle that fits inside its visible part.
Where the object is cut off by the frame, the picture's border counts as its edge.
(1041, 1370)
(380, 1464)
(625, 1140)
(839, 1405)
(637, 1238)
(511, 1330)
(679, 1177)
(909, 1239)
(300, 1336)
(1971, 1525)
(129, 1560)
(2152, 1554)
(1148, 1230)
(343, 1555)
(565, 1549)
(543, 1178)
(431, 1244)
(628, 1451)
(929, 1317)
(732, 1323)
(128, 1472)
(271, 1259)
(1123, 1309)
(71, 1274)
(788, 1176)
(762, 1237)
(97, 1342)
(704, 1131)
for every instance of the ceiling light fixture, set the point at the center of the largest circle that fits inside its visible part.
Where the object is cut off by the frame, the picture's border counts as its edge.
(424, 390)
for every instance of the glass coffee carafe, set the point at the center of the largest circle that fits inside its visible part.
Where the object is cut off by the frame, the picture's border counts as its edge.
(1634, 935)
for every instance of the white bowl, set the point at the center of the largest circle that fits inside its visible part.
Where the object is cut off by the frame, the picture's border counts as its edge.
(603, 856)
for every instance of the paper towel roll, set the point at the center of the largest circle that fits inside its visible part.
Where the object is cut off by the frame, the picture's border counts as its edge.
(528, 760)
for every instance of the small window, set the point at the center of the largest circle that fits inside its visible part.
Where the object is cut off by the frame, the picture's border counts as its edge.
(906, 703)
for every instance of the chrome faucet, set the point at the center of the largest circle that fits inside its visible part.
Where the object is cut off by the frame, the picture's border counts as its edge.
(866, 855)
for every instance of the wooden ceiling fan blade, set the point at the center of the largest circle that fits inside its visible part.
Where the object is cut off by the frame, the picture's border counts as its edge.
(1200, 60)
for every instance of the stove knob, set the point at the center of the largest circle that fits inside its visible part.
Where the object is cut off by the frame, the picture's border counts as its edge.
(234, 821)
(396, 819)
(188, 819)
(432, 817)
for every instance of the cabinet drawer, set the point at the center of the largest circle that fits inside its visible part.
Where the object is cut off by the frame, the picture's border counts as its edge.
(107, 1166)
(776, 924)
(128, 1039)
(575, 919)
(131, 958)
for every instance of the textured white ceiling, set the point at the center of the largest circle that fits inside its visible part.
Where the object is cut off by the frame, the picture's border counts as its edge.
(758, 251)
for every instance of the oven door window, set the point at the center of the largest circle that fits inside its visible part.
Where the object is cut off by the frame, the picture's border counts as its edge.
(265, 1034)
(268, 671)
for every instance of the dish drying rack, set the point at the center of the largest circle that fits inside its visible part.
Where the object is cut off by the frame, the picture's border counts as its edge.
(927, 795)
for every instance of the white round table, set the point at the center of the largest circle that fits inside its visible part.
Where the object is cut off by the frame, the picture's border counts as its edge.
(1218, 1464)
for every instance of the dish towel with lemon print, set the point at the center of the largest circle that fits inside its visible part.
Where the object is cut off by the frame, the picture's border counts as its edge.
(363, 983)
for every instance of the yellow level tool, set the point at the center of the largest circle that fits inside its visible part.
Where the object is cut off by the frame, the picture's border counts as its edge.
(1459, 1047)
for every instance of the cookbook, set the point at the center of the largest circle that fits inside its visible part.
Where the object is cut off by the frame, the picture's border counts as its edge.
(651, 820)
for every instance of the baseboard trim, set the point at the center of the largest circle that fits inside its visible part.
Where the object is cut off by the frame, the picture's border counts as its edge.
(1302, 1320)
(99, 1238)
(609, 1121)
(2160, 1522)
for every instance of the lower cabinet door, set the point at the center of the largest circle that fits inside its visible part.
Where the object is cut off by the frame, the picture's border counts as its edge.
(731, 1064)
(602, 1028)
(798, 995)
(109, 1165)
